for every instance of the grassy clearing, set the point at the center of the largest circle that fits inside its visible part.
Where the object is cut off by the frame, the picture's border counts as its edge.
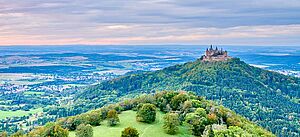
(33, 93)
(127, 118)
(18, 113)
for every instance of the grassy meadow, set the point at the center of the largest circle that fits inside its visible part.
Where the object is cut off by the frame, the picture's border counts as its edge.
(18, 113)
(127, 118)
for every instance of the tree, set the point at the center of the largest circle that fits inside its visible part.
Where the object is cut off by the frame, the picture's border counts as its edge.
(171, 123)
(94, 118)
(146, 113)
(178, 100)
(53, 130)
(3, 134)
(130, 132)
(208, 132)
(212, 118)
(84, 131)
(112, 118)
(20, 133)
(196, 123)
(232, 131)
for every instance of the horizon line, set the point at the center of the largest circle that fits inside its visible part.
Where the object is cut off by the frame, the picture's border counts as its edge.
(252, 45)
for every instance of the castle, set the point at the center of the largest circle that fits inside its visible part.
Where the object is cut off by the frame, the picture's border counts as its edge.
(215, 54)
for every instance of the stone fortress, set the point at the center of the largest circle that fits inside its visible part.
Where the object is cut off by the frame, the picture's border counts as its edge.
(212, 54)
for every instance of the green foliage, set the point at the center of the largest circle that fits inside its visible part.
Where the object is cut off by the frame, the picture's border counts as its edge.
(201, 112)
(130, 132)
(94, 118)
(20, 133)
(146, 113)
(196, 123)
(54, 130)
(3, 134)
(260, 95)
(208, 132)
(84, 131)
(201, 117)
(112, 118)
(177, 101)
(232, 131)
(171, 123)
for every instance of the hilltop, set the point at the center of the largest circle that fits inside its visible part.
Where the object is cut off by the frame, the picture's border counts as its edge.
(264, 97)
(166, 113)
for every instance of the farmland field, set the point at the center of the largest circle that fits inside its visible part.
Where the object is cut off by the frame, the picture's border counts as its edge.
(18, 113)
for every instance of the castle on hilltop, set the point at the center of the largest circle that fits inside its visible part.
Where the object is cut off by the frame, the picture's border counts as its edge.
(215, 54)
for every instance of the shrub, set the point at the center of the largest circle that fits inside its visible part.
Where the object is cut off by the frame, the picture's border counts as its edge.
(3, 134)
(53, 130)
(146, 113)
(129, 132)
(112, 118)
(171, 123)
(94, 118)
(178, 100)
(196, 123)
(84, 131)
(20, 133)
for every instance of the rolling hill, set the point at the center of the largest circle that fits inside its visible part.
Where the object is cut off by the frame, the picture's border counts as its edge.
(166, 113)
(267, 98)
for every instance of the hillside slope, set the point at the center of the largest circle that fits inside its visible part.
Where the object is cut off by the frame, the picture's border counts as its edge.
(267, 98)
(157, 115)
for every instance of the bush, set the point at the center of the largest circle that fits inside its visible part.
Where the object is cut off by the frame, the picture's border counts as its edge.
(130, 132)
(84, 131)
(171, 123)
(178, 100)
(196, 123)
(94, 118)
(20, 133)
(112, 118)
(53, 130)
(146, 113)
(3, 134)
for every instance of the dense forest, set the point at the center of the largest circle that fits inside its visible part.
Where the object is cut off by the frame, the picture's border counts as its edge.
(201, 117)
(267, 98)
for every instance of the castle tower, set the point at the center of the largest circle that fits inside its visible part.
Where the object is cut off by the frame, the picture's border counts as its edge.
(225, 53)
(206, 52)
(215, 54)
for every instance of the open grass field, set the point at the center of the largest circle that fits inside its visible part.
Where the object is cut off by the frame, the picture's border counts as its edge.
(18, 113)
(33, 93)
(127, 118)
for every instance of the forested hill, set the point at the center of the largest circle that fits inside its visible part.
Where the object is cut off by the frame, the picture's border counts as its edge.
(267, 98)
(164, 114)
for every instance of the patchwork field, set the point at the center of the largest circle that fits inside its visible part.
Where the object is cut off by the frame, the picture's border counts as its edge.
(127, 118)
(18, 113)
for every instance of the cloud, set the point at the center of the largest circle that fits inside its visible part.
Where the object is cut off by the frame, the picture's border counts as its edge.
(252, 22)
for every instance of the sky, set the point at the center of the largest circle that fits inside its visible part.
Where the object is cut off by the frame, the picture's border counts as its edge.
(146, 22)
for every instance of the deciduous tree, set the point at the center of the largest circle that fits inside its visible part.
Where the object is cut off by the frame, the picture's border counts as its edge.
(146, 113)
(130, 132)
(112, 118)
(84, 131)
(171, 123)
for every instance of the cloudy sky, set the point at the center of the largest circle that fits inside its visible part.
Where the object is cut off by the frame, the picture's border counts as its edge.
(230, 22)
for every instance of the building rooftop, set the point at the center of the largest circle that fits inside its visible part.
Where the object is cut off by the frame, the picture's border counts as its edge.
(215, 54)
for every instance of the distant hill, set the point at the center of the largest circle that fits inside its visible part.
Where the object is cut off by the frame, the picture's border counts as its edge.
(264, 97)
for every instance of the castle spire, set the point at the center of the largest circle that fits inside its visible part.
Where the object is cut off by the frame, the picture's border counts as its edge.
(216, 47)
(211, 47)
